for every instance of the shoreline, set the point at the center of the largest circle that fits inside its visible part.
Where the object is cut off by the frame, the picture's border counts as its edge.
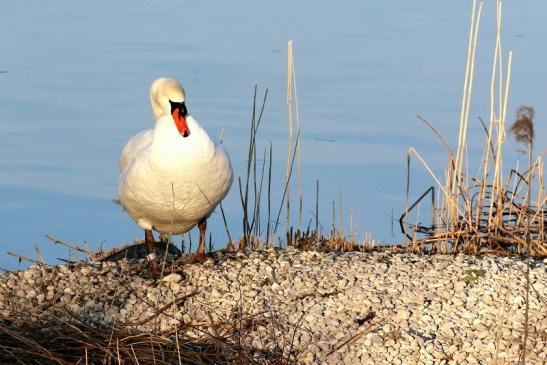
(346, 308)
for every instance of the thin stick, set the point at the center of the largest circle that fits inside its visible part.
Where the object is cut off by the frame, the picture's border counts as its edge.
(488, 139)
(134, 355)
(225, 223)
(177, 342)
(299, 149)
(258, 227)
(341, 230)
(333, 219)
(438, 135)
(468, 86)
(412, 151)
(23, 258)
(529, 253)
(464, 98)
(70, 245)
(351, 221)
(286, 184)
(39, 254)
(190, 242)
(269, 196)
(290, 144)
(317, 207)
(250, 153)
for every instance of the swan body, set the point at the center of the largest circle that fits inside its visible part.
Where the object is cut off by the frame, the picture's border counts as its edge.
(174, 175)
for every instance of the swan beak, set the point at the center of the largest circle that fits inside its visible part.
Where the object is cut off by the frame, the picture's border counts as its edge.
(180, 122)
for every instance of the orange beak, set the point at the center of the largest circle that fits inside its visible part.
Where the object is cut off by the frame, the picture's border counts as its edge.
(180, 122)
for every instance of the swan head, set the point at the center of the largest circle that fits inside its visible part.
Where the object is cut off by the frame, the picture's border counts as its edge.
(167, 97)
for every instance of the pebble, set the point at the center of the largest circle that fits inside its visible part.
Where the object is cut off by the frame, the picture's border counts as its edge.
(172, 278)
(403, 315)
(335, 308)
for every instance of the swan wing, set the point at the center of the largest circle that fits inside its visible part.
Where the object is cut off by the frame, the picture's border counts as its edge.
(133, 148)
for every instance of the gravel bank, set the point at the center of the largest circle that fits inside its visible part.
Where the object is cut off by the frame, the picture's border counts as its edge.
(348, 308)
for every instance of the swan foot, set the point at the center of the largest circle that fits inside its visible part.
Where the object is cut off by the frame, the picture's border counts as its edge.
(202, 225)
(151, 247)
(197, 258)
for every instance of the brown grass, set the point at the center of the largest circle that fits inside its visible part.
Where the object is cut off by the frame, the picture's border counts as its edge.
(486, 212)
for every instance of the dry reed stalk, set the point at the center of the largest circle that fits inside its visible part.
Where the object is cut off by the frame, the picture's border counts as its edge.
(225, 224)
(317, 207)
(71, 246)
(269, 197)
(341, 230)
(502, 129)
(541, 200)
(293, 115)
(454, 184)
(290, 60)
(483, 213)
(468, 86)
(449, 197)
(523, 130)
(287, 182)
(497, 60)
(23, 258)
(334, 231)
(299, 149)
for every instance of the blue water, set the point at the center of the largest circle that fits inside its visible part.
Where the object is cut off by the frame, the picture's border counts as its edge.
(74, 80)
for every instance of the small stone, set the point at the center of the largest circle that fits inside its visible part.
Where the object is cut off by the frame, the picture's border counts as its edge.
(172, 278)
(251, 293)
(471, 359)
(375, 299)
(215, 294)
(447, 331)
(403, 315)
(314, 349)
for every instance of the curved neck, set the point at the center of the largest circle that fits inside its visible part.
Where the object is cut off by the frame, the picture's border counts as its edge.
(157, 108)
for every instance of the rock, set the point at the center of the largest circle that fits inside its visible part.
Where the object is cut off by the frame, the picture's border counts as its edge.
(172, 278)
(402, 315)
(375, 299)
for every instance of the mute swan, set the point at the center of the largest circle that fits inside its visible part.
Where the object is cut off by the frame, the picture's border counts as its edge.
(173, 176)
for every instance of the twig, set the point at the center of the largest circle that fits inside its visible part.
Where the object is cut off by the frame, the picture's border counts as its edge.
(21, 258)
(286, 184)
(72, 246)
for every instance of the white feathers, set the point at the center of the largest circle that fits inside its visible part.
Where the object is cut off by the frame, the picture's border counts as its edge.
(169, 182)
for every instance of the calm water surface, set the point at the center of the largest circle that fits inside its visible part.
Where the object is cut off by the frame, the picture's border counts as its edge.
(74, 88)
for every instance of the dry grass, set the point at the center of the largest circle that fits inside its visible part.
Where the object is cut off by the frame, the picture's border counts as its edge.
(486, 212)
(64, 337)
(492, 211)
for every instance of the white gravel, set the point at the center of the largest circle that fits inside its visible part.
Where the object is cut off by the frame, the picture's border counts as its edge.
(347, 308)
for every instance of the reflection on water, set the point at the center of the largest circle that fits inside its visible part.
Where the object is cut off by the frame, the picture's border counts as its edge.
(74, 82)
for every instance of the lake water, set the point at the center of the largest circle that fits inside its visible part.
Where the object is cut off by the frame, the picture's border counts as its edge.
(74, 88)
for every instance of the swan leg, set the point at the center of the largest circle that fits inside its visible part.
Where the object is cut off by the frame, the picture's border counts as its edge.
(202, 225)
(151, 247)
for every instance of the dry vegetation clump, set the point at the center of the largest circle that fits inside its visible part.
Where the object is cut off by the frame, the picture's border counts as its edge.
(64, 337)
(486, 212)
(334, 242)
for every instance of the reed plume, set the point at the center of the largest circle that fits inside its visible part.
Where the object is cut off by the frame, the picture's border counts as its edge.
(523, 128)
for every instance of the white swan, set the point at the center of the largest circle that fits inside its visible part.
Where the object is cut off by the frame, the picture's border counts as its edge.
(172, 176)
